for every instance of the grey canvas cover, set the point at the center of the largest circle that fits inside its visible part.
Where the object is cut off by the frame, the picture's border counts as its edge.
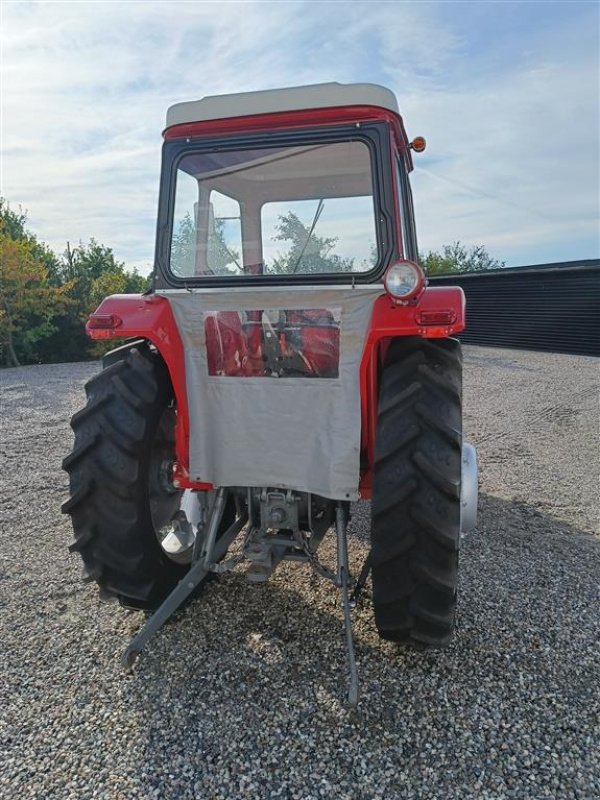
(290, 433)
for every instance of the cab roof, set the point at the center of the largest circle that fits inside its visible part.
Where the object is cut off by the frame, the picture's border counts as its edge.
(297, 98)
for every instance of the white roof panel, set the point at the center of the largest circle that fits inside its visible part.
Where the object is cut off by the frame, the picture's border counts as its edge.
(321, 95)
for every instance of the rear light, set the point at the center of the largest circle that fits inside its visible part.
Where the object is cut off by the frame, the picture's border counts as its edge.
(403, 281)
(418, 144)
(446, 316)
(103, 321)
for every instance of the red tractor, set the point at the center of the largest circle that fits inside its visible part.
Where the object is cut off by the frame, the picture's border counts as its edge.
(288, 360)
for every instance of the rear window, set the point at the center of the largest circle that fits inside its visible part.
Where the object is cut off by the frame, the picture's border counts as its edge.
(292, 210)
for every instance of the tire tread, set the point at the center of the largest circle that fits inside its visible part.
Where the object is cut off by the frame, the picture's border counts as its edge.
(416, 492)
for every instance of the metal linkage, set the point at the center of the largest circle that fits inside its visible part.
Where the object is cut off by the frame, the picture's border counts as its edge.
(267, 553)
(277, 537)
(344, 583)
(311, 556)
(361, 582)
(201, 528)
(210, 551)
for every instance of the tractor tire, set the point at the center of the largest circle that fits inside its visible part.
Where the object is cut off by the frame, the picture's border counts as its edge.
(416, 492)
(121, 494)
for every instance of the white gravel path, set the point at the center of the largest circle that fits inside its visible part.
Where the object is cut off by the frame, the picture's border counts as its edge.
(242, 696)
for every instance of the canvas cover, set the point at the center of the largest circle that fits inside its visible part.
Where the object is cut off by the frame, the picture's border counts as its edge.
(281, 430)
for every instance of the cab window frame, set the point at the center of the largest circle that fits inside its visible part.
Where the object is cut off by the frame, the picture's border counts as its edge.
(375, 135)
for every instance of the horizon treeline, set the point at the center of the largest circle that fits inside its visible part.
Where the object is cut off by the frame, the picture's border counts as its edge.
(45, 298)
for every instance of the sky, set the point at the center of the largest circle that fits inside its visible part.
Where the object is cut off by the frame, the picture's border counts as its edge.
(506, 94)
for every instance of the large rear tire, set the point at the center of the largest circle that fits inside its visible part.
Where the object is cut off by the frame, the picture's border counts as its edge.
(416, 491)
(121, 495)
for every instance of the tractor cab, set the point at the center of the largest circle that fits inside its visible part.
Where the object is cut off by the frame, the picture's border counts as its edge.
(289, 187)
(282, 187)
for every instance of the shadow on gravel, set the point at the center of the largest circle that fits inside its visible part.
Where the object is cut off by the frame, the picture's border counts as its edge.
(248, 671)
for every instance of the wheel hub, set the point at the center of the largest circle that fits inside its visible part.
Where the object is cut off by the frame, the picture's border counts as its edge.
(469, 488)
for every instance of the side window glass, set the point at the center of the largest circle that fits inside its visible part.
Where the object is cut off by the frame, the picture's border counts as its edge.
(224, 240)
(183, 244)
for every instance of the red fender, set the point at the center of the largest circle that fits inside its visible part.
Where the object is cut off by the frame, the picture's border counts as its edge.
(150, 317)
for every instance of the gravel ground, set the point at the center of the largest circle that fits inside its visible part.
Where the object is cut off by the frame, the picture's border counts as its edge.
(242, 695)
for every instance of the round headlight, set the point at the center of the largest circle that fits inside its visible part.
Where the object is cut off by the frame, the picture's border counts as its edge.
(403, 280)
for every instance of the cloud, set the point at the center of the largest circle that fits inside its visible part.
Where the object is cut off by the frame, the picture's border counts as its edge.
(513, 153)
(510, 114)
(521, 153)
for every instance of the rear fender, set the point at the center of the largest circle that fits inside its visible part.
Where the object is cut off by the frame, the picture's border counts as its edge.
(388, 321)
(149, 317)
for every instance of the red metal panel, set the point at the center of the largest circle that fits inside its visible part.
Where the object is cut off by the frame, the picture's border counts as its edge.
(286, 120)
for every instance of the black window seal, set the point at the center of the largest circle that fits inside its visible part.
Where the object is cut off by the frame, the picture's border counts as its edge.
(406, 210)
(375, 135)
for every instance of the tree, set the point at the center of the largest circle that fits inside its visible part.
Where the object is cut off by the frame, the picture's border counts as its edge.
(45, 300)
(29, 303)
(97, 273)
(13, 223)
(136, 283)
(183, 248)
(89, 261)
(220, 258)
(307, 252)
(457, 257)
(94, 273)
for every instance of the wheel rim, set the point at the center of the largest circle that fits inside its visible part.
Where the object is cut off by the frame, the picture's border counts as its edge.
(174, 513)
(178, 536)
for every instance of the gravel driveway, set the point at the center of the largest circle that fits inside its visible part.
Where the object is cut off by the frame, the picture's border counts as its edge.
(242, 695)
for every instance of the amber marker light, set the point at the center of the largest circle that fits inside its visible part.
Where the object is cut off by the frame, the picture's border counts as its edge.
(418, 144)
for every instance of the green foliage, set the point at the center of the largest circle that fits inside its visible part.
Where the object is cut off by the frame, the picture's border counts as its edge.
(13, 224)
(45, 300)
(457, 257)
(29, 304)
(307, 252)
(92, 260)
